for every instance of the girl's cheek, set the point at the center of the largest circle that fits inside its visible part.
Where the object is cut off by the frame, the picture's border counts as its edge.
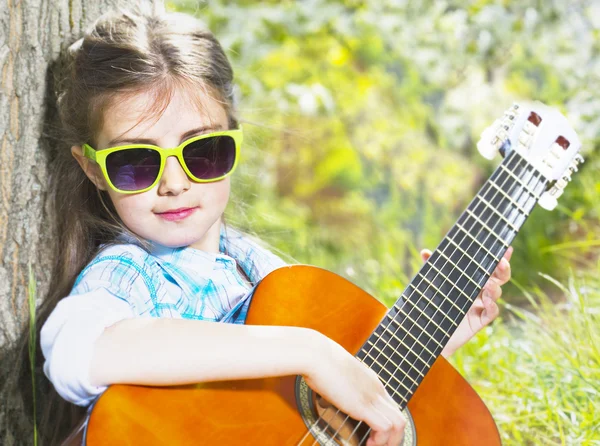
(130, 206)
(216, 195)
(223, 193)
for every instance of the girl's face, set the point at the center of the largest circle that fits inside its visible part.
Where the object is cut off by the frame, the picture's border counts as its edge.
(141, 212)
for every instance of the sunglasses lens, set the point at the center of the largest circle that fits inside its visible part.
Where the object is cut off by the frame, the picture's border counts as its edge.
(133, 169)
(210, 158)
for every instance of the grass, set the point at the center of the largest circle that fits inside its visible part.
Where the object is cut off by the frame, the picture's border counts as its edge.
(538, 370)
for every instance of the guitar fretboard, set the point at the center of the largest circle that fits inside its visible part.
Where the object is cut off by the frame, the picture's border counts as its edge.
(414, 331)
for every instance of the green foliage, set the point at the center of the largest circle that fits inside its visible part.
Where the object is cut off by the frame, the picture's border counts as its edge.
(540, 372)
(361, 120)
(367, 113)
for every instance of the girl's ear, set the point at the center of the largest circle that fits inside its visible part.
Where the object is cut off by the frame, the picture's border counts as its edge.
(91, 169)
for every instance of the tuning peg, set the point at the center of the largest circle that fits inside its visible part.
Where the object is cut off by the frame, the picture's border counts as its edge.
(496, 138)
(549, 199)
(577, 160)
(564, 180)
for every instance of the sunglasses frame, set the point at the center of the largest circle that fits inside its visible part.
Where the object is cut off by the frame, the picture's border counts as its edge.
(99, 156)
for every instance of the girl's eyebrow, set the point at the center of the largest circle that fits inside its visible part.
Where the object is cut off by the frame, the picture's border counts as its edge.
(119, 141)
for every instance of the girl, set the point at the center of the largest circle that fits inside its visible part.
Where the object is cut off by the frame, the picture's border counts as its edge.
(148, 269)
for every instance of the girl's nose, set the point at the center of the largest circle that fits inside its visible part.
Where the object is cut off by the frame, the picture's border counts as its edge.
(174, 180)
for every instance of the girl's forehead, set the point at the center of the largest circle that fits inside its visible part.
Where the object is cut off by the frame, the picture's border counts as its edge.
(151, 115)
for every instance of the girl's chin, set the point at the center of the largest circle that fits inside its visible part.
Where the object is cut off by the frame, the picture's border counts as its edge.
(174, 240)
(196, 232)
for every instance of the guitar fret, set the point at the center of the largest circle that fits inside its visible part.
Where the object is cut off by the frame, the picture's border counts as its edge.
(509, 198)
(397, 366)
(465, 254)
(526, 187)
(500, 239)
(449, 281)
(476, 241)
(429, 300)
(416, 323)
(398, 353)
(403, 359)
(399, 394)
(387, 384)
(391, 374)
(411, 335)
(492, 207)
(459, 269)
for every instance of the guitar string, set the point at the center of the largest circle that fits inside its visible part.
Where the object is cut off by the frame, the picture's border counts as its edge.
(465, 253)
(410, 350)
(518, 187)
(373, 344)
(485, 192)
(384, 367)
(517, 183)
(386, 383)
(430, 303)
(474, 206)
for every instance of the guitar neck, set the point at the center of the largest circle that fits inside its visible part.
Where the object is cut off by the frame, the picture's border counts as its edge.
(414, 331)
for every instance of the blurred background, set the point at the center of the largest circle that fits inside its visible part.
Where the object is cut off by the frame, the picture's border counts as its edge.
(361, 119)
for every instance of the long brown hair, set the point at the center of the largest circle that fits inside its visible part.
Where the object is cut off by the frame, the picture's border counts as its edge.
(125, 52)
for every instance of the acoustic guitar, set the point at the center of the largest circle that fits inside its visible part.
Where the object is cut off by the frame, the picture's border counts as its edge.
(401, 344)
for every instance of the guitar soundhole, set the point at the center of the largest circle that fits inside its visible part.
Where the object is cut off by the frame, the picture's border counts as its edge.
(331, 427)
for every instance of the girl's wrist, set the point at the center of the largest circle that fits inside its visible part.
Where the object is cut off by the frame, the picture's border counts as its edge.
(449, 349)
(309, 348)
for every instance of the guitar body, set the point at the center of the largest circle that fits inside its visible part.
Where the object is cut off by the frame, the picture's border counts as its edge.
(444, 409)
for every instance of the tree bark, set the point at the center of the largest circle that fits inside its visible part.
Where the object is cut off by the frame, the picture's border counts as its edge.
(32, 34)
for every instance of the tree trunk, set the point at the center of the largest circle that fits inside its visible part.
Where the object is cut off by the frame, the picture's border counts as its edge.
(32, 34)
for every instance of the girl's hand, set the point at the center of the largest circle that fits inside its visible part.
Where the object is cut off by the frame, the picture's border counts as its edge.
(356, 390)
(484, 309)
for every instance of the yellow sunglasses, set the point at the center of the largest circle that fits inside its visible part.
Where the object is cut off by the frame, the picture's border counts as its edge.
(136, 168)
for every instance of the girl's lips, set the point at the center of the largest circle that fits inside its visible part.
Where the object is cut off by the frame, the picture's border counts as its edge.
(177, 214)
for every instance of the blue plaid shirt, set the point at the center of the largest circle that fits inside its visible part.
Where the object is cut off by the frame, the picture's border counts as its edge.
(125, 281)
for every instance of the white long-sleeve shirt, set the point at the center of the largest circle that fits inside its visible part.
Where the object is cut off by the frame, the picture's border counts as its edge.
(124, 281)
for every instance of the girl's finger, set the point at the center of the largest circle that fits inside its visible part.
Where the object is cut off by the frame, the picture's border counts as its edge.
(400, 421)
(492, 289)
(380, 425)
(478, 303)
(425, 254)
(490, 311)
(502, 272)
(391, 411)
(378, 437)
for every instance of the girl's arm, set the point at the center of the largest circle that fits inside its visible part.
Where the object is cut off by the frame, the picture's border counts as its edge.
(179, 351)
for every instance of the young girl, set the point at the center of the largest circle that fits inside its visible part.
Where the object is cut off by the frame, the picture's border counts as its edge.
(148, 271)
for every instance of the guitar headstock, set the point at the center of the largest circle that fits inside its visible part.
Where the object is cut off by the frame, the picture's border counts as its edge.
(543, 137)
